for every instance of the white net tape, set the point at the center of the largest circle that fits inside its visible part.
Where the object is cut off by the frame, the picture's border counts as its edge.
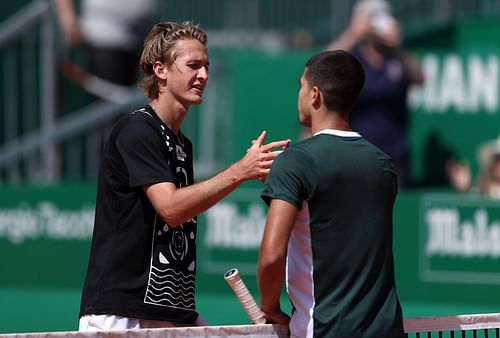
(476, 325)
(234, 331)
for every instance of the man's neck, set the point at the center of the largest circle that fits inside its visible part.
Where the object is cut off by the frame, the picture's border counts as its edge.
(329, 120)
(171, 112)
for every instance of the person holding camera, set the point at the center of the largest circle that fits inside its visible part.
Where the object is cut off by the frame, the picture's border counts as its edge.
(381, 113)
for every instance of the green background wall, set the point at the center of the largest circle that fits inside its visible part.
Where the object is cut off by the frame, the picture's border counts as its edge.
(43, 265)
(45, 231)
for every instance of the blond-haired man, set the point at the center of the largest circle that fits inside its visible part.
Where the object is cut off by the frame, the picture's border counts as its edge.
(142, 264)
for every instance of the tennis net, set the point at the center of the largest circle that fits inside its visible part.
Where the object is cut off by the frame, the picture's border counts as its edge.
(233, 331)
(461, 326)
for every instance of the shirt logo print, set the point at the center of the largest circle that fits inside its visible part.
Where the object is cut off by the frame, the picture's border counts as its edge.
(181, 155)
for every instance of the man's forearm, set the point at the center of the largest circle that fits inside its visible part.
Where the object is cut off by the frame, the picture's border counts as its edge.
(345, 41)
(281, 218)
(270, 280)
(177, 205)
(413, 67)
(187, 202)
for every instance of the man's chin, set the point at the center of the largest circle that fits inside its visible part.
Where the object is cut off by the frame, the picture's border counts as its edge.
(195, 100)
(305, 122)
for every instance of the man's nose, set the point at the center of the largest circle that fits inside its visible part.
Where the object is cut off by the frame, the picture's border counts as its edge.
(203, 73)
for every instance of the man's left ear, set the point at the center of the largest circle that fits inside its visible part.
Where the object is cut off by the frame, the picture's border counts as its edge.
(160, 70)
(316, 97)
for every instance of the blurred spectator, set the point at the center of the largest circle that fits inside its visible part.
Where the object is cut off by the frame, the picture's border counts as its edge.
(111, 33)
(459, 175)
(488, 181)
(381, 113)
(489, 177)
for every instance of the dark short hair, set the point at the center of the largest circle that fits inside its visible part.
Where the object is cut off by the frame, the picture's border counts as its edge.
(339, 76)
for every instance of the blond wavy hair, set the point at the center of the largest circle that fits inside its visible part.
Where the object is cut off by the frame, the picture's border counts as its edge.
(160, 45)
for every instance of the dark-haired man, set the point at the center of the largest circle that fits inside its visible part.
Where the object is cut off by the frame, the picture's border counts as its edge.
(329, 225)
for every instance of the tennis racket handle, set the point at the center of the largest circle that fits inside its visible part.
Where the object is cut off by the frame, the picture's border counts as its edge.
(234, 280)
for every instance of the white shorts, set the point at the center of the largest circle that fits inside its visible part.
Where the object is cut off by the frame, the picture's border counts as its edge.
(112, 322)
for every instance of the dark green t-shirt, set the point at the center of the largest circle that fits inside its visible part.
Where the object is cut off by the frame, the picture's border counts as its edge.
(350, 187)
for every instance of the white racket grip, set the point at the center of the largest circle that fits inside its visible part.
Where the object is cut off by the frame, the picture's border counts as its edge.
(234, 280)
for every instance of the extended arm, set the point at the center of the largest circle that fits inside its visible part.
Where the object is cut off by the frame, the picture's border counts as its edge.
(281, 218)
(176, 206)
(412, 65)
(359, 27)
(68, 22)
(392, 38)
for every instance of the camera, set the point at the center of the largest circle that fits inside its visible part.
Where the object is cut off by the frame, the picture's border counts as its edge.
(381, 22)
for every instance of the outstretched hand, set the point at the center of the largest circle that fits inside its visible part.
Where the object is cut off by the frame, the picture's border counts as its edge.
(257, 162)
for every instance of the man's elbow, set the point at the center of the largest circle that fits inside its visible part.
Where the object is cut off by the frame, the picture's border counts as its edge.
(271, 260)
(170, 218)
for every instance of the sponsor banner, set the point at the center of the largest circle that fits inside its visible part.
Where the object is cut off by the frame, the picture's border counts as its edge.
(44, 220)
(45, 237)
(459, 239)
(45, 234)
(455, 111)
(231, 233)
(53, 226)
(458, 84)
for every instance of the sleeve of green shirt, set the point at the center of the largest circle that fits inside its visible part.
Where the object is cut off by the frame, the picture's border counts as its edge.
(292, 178)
